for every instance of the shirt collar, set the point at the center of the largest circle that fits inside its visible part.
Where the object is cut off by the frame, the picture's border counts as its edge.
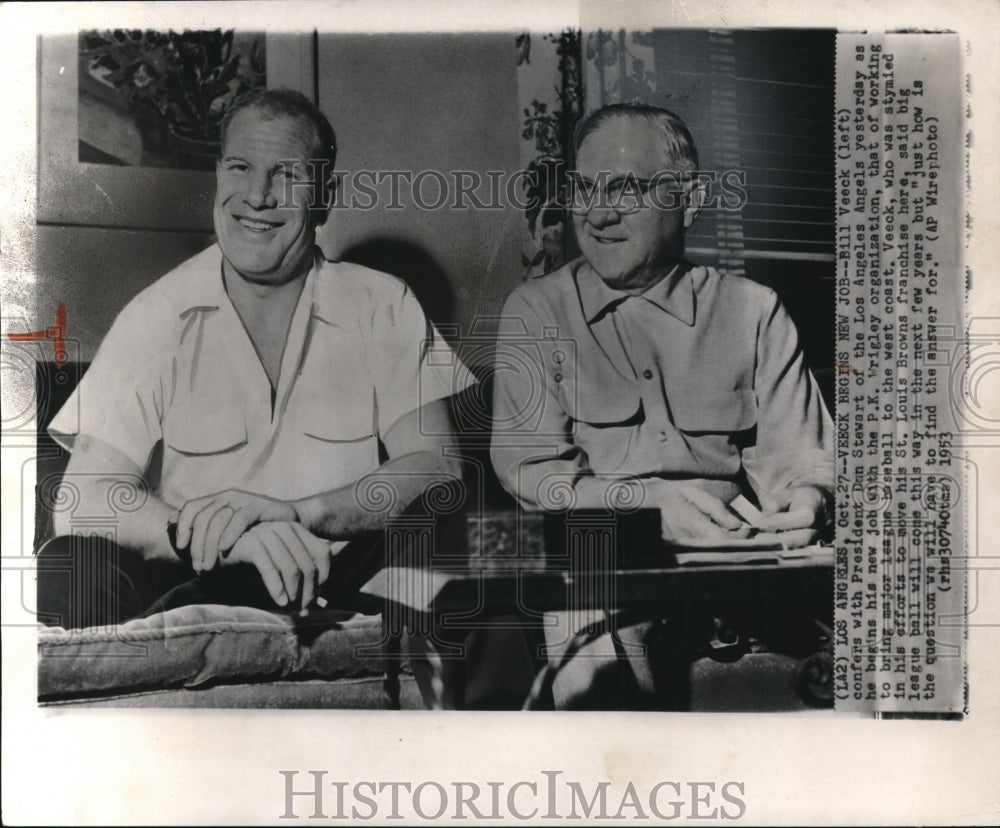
(206, 291)
(673, 294)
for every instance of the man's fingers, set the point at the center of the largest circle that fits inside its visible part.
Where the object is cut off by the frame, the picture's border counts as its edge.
(785, 521)
(199, 531)
(282, 558)
(258, 555)
(242, 519)
(323, 562)
(297, 562)
(307, 567)
(775, 503)
(319, 552)
(686, 521)
(710, 505)
(185, 518)
(248, 511)
(217, 524)
(700, 525)
(689, 512)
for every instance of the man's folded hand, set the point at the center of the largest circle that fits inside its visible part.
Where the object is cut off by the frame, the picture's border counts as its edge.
(795, 516)
(212, 525)
(687, 511)
(292, 561)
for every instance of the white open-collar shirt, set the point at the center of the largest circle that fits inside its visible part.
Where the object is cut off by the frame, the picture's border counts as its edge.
(178, 387)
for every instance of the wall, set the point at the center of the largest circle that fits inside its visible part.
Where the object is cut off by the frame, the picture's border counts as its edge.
(68, 251)
(96, 271)
(412, 103)
(420, 102)
(427, 103)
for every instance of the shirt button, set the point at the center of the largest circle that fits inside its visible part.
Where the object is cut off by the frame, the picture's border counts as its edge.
(558, 378)
(647, 374)
(662, 436)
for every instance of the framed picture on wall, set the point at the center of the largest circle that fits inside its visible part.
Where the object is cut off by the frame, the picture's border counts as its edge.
(128, 119)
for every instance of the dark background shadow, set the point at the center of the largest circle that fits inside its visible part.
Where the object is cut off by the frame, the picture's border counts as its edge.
(419, 269)
(471, 408)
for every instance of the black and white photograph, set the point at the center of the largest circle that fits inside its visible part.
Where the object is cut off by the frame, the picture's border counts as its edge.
(250, 499)
(556, 415)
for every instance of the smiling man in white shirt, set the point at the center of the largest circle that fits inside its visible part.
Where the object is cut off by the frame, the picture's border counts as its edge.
(255, 394)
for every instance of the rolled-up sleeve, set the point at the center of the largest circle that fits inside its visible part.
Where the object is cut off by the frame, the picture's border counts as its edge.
(794, 431)
(119, 400)
(414, 365)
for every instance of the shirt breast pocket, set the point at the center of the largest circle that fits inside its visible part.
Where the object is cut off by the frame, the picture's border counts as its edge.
(205, 450)
(193, 433)
(599, 404)
(714, 412)
(606, 418)
(332, 444)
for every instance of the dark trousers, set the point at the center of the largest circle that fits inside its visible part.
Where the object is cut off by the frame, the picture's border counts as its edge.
(89, 582)
(92, 582)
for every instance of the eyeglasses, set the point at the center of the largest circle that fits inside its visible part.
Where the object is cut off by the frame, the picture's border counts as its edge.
(624, 195)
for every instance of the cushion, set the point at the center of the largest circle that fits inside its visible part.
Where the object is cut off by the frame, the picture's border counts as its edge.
(206, 644)
(367, 693)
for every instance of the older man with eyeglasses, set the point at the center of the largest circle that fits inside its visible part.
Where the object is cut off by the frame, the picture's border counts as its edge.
(655, 380)
(684, 383)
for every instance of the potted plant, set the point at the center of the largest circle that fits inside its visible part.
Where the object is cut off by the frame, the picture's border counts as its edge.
(550, 129)
(184, 80)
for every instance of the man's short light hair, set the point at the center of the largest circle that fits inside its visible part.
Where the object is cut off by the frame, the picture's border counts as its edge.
(678, 145)
(288, 103)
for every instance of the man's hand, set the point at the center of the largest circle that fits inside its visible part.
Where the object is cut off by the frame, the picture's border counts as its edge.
(689, 512)
(289, 558)
(795, 516)
(214, 523)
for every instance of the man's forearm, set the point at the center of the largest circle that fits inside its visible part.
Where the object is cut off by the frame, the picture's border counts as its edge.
(365, 506)
(548, 490)
(143, 529)
(543, 488)
(601, 492)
